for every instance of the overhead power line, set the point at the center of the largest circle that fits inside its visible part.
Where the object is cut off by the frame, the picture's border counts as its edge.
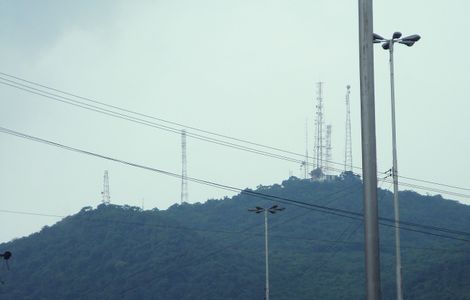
(175, 130)
(195, 229)
(429, 189)
(301, 157)
(247, 232)
(196, 136)
(151, 124)
(314, 207)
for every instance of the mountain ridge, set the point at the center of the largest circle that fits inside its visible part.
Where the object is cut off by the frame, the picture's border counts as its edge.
(215, 249)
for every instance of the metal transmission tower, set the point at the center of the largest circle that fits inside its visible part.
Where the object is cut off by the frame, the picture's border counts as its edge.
(105, 192)
(328, 156)
(348, 142)
(318, 147)
(304, 164)
(184, 171)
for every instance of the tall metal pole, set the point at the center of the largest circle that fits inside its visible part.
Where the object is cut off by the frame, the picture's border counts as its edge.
(306, 150)
(395, 182)
(273, 209)
(348, 141)
(266, 252)
(369, 155)
(184, 169)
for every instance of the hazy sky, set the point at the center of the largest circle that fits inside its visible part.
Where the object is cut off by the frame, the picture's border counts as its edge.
(241, 68)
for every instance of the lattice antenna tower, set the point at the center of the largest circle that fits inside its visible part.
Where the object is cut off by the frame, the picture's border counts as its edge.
(306, 150)
(184, 170)
(318, 147)
(304, 164)
(328, 155)
(105, 193)
(348, 143)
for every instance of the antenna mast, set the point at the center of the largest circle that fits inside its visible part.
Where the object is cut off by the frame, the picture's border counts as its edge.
(348, 142)
(318, 148)
(184, 172)
(304, 164)
(328, 155)
(105, 192)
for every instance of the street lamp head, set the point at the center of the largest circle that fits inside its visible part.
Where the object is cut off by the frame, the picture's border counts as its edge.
(408, 43)
(396, 35)
(386, 45)
(257, 210)
(377, 38)
(275, 208)
(396, 38)
(6, 255)
(411, 38)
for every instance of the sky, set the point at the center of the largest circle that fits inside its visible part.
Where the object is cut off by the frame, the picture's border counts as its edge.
(246, 69)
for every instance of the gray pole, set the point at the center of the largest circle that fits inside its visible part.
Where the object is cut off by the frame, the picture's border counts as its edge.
(266, 252)
(369, 155)
(395, 181)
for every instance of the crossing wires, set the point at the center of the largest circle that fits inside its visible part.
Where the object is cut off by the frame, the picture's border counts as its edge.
(338, 212)
(53, 94)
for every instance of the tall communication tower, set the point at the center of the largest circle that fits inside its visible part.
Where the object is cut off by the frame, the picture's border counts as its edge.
(184, 171)
(304, 164)
(328, 155)
(348, 142)
(105, 192)
(318, 147)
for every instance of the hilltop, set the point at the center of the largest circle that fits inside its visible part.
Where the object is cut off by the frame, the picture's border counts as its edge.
(215, 250)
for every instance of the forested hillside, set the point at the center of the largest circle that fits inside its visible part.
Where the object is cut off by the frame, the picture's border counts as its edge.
(215, 250)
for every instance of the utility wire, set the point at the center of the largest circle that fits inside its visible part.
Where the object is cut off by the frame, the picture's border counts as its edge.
(185, 228)
(32, 90)
(155, 118)
(111, 113)
(213, 253)
(196, 136)
(428, 188)
(230, 246)
(336, 247)
(305, 205)
(152, 124)
(194, 262)
(177, 131)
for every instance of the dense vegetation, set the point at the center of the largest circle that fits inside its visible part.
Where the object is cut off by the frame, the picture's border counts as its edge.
(215, 250)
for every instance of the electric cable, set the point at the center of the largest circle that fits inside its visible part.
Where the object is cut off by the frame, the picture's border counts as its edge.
(305, 205)
(26, 87)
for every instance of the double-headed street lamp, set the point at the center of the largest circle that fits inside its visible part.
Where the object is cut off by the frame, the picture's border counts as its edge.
(273, 209)
(388, 44)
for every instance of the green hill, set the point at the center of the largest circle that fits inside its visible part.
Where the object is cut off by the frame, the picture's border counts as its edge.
(215, 250)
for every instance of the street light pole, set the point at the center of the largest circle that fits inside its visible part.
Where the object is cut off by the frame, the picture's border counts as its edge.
(389, 45)
(396, 203)
(266, 251)
(273, 209)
